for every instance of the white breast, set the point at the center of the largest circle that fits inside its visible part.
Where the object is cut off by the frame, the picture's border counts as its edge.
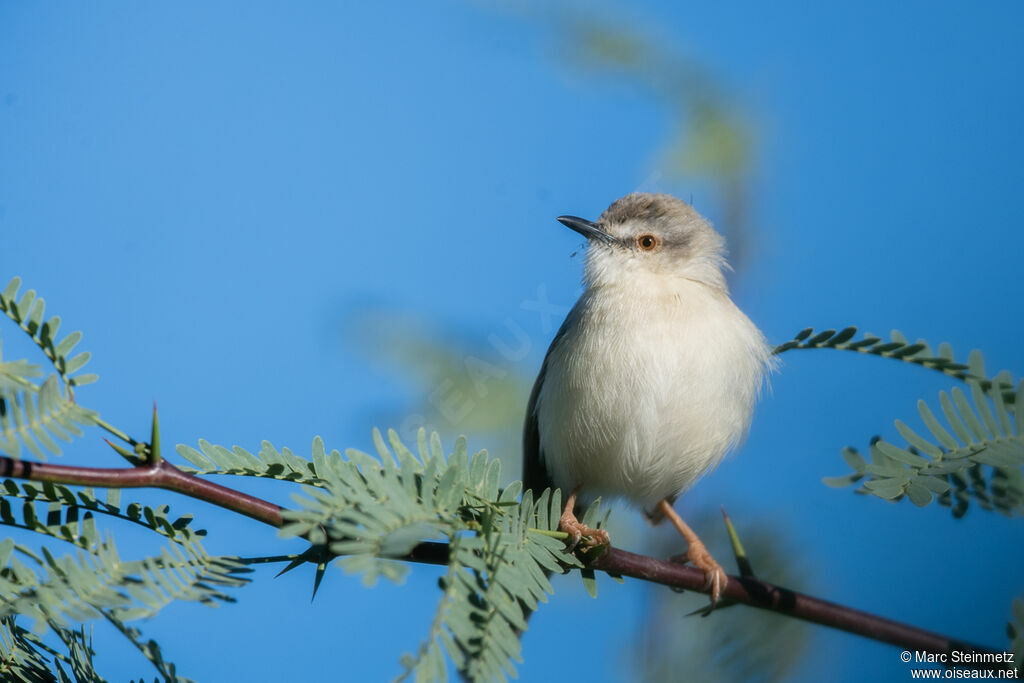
(648, 390)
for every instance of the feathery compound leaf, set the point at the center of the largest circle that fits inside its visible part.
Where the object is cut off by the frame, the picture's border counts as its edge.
(80, 654)
(986, 464)
(23, 657)
(512, 579)
(17, 375)
(268, 463)
(28, 313)
(918, 353)
(99, 583)
(30, 419)
(374, 509)
(149, 649)
(72, 519)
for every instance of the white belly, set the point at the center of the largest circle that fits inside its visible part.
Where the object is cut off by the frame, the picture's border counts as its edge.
(644, 395)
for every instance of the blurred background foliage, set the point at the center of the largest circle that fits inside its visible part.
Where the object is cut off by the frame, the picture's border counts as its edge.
(710, 145)
(465, 382)
(734, 643)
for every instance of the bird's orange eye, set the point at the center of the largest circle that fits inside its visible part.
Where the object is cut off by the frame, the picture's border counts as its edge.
(647, 242)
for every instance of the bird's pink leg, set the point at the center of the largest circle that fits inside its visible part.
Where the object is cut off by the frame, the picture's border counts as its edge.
(715, 577)
(576, 529)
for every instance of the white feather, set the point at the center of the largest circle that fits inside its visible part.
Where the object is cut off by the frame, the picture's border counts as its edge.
(653, 381)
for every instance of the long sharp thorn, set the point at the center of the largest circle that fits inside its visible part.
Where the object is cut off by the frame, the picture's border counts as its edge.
(320, 568)
(154, 440)
(123, 452)
(742, 561)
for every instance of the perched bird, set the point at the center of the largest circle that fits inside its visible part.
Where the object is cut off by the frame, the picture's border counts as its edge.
(652, 377)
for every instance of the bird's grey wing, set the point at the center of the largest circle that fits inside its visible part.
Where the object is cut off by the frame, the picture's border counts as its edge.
(535, 471)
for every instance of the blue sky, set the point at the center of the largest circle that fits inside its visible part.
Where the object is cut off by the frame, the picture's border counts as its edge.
(213, 192)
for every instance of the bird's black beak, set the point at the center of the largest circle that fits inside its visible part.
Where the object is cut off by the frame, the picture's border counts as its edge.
(586, 228)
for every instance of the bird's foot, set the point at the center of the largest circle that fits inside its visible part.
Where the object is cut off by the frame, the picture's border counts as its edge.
(578, 531)
(715, 578)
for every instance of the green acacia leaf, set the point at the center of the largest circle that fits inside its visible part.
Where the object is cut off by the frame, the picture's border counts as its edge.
(67, 344)
(821, 337)
(919, 495)
(800, 336)
(842, 336)
(955, 423)
(885, 488)
(842, 481)
(968, 414)
(854, 459)
(987, 417)
(901, 455)
(917, 441)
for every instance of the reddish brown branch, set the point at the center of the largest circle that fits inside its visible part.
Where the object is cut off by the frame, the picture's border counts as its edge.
(757, 593)
(746, 590)
(160, 476)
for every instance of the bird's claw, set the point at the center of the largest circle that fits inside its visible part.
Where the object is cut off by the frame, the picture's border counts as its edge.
(577, 531)
(715, 578)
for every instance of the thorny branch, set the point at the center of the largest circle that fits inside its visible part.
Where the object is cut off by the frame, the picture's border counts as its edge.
(747, 590)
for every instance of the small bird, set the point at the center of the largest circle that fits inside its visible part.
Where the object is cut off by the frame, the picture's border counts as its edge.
(653, 376)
